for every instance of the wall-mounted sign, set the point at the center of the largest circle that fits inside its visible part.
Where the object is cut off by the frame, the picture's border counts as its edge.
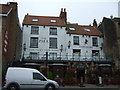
(43, 40)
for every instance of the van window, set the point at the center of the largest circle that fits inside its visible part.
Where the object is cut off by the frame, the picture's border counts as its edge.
(38, 76)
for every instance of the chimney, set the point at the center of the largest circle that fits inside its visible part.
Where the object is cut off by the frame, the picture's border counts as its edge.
(63, 15)
(94, 23)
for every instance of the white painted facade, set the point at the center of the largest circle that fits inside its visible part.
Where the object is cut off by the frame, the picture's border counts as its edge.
(65, 50)
(119, 9)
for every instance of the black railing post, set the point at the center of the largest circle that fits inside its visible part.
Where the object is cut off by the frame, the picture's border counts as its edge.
(46, 63)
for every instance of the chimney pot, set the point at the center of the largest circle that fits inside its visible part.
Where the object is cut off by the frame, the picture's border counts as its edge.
(27, 13)
(61, 9)
(64, 9)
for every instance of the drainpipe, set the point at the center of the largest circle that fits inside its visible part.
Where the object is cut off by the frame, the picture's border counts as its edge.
(0, 52)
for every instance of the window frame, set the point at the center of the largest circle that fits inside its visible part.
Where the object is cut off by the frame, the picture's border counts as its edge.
(53, 43)
(35, 29)
(76, 40)
(33, 44)
(95, 41)
(38, 76)
(52, 31)
(34, 55)
(52, 55)
(35, 19)
(95, 53)
(53, 20)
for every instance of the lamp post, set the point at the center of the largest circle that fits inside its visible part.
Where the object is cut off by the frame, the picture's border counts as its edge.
(46, 63)
(69, 43)
(61, 49)
(24, 49)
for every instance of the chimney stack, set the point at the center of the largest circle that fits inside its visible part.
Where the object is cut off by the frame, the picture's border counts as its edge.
(94, 23)
(63, 15)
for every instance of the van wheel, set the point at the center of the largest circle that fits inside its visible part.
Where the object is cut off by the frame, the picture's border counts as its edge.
(50, 87)
(13, 87)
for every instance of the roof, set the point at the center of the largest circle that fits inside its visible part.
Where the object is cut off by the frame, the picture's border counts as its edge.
(43, 20)
(83, 30)
(5, 8)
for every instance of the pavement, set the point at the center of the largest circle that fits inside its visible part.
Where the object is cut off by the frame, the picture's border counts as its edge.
(92, 86)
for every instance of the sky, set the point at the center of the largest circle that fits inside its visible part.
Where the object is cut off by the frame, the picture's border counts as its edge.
(82, 12)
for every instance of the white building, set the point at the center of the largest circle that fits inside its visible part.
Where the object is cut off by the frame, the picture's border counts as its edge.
(119, 9)
(62, 41)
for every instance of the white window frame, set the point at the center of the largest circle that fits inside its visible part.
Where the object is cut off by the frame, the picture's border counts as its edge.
(34, 55)
(75, 40)
(35, 30)
(95, 41)
(53, 31)
(53, 43)
(34, 42)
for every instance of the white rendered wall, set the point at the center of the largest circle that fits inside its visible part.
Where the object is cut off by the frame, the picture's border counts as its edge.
(62, 39)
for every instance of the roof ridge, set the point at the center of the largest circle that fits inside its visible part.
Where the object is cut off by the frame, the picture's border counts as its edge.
(44, 16)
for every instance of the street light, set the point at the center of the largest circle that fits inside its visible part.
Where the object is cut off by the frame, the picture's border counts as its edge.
(46, 63)
(24, 49)
(69, 43)
(61, 49)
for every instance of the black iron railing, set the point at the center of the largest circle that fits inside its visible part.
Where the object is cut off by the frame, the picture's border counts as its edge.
(65, 57)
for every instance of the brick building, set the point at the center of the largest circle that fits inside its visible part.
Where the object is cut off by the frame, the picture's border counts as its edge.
(110, 27)
(11, 34)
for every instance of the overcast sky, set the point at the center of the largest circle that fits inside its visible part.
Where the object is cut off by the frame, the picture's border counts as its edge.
(78, 11)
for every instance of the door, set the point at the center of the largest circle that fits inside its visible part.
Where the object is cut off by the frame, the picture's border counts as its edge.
(38, 81)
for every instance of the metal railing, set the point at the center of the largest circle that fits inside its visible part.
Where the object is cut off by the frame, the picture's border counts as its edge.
(65, 57)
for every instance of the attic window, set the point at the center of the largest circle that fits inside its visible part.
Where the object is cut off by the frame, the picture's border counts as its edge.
(35, 20)
(71, 28)
(53, 21)
(87, 29)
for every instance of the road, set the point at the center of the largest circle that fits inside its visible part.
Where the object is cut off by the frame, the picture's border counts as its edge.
(84, 89)
(89, 89)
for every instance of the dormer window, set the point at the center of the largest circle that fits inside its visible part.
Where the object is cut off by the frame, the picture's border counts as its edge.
(35, 20)
(71, 28)
(53, 21)
(87, 29)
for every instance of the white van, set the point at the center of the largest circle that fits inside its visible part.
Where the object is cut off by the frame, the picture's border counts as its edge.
(26, 78)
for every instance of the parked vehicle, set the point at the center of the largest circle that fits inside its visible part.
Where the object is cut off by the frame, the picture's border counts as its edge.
(26, 78)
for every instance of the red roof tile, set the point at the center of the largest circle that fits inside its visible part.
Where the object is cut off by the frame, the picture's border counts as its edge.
(84, 30)
(43, 20)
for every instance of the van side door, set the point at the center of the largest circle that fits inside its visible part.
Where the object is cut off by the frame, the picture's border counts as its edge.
(38, 81)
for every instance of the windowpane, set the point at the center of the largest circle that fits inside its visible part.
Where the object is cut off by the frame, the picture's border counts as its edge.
(76, 40)
(72, 28)
(38, 76)
(53, 31)
(53, 56)
(95, 41)
(95, 53)
(53, 21)
(34, 30)
(34, 55)
(35, 20)
(34, 42)
(53, 43)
